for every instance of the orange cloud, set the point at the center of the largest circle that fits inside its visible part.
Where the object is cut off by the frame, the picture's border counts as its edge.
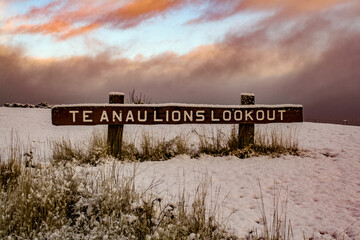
(144, 7)
(56, 26)
(65, 16)
(79, 31)
(132, 14)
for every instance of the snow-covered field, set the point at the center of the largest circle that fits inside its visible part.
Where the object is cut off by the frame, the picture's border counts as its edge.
(322, 186)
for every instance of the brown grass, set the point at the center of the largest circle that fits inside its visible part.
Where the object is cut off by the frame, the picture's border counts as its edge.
(56, 201)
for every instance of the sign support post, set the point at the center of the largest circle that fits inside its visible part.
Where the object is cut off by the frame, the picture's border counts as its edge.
(246, 131)
(115, 132)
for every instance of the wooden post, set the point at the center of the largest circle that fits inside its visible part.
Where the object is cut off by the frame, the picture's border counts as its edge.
(246, 131)
(115, 132)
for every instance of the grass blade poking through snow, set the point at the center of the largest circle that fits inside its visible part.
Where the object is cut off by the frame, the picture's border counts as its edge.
(275, 226)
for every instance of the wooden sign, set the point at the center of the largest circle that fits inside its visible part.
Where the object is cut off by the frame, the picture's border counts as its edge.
(115, 114)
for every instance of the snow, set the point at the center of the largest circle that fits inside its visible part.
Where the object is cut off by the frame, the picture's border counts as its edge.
(117, 93)
(247, 94)
(182, 105)
(322, 186)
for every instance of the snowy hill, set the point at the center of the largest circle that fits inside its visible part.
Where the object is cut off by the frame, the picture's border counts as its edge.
(322, 186)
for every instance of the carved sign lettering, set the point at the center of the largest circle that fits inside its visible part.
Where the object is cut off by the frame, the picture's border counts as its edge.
(114, 114)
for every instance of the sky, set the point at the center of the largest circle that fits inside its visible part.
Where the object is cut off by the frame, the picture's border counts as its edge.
(187, 51)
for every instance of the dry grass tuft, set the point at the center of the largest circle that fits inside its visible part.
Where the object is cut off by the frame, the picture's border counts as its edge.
(11, 169)
(9, 173)
(273, 144)
(276, 142)
(155, 149)
(65, 151)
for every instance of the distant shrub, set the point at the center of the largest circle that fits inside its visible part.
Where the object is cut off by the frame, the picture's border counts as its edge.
(138, 98)
(27, 105)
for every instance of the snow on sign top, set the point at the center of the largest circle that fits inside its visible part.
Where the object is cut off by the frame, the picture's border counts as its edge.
(117, 93)
(248, 94)
(172, 113)
(152, 105)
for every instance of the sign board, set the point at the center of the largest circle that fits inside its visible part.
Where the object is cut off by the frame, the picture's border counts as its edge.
(115, 114)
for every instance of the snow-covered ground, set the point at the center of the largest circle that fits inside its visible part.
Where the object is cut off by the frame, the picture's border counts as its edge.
(322, 186)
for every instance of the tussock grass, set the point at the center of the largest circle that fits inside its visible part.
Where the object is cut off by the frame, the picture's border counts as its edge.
(95, 152)
(65, 202)
(92, 154)
(9, 173)
(155, 149)
(11, 168)
(273, 143)
(219, 143)
(212, 145)
(214, 142)
(276, 142)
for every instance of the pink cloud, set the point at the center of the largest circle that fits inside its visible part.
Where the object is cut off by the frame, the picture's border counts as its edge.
(62, 18)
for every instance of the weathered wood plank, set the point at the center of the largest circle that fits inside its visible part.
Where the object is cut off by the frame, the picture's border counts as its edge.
(114, 114)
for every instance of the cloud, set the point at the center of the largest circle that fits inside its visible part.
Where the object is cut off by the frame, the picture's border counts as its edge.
(326, 83)
(220, 9)
(132, 14)
(312, 61)
(64, 19)
(330, 86)
(48, 9)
